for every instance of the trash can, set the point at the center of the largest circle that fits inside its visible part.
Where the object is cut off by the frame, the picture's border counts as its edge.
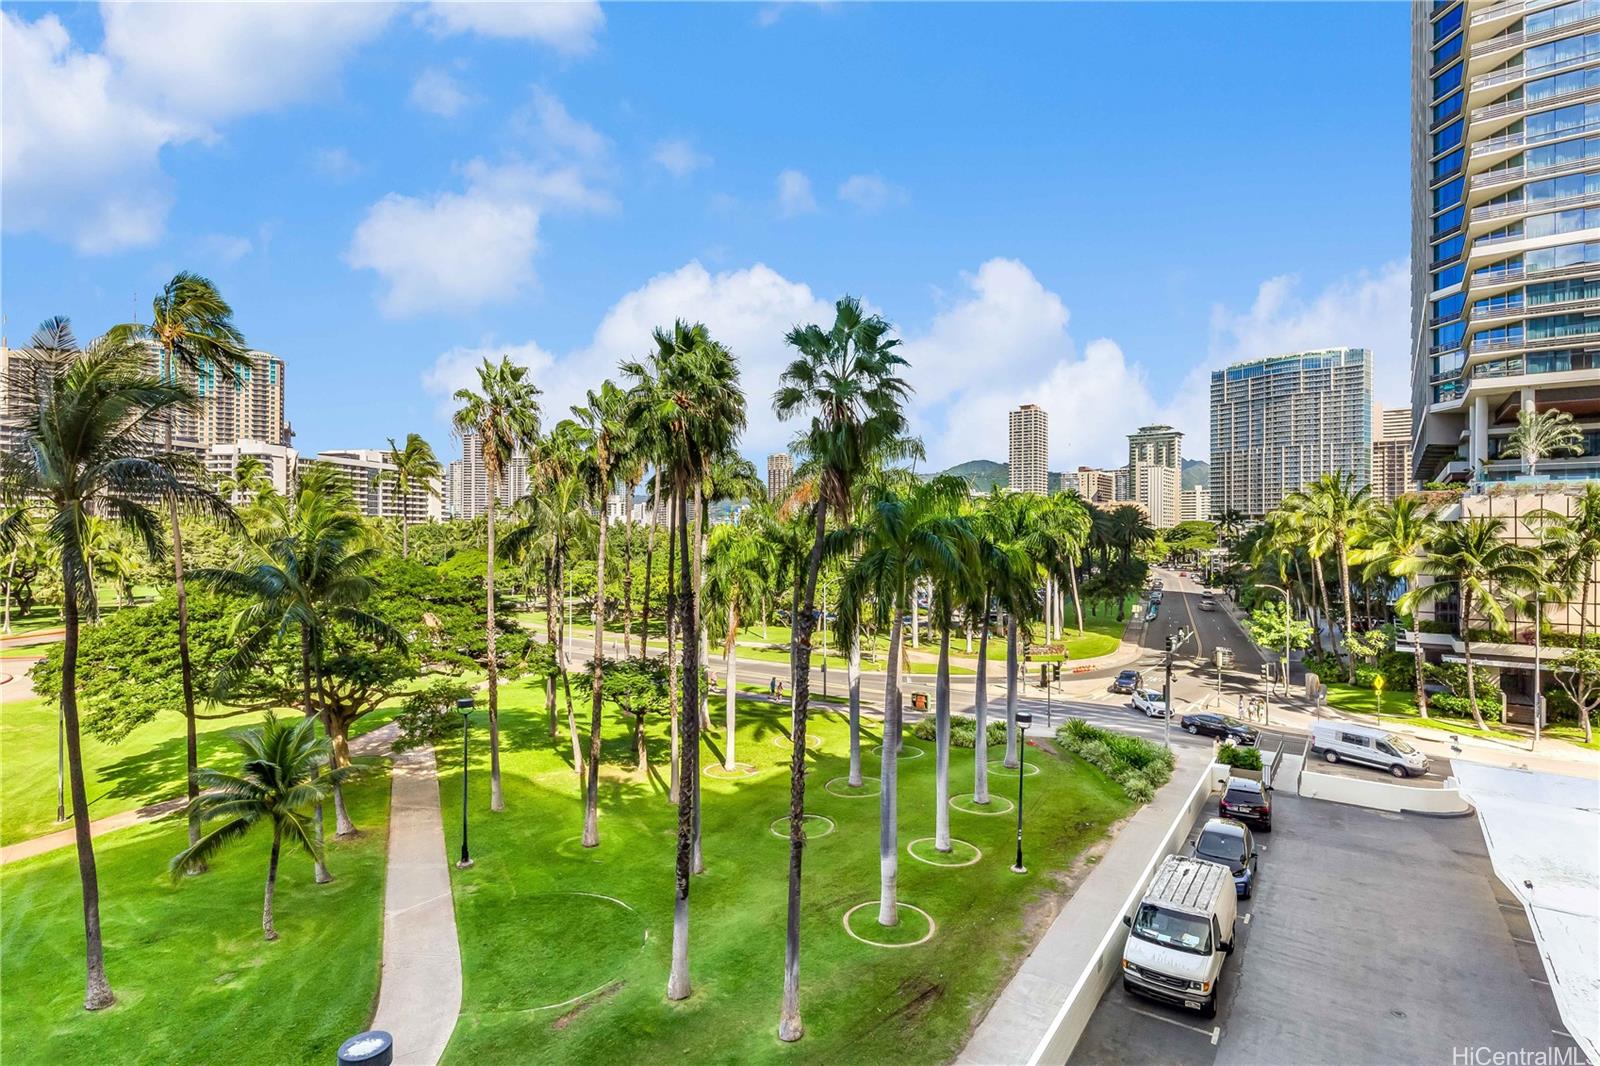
(372, 1048)
(919, 701)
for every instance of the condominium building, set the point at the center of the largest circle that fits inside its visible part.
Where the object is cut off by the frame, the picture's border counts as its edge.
(1096, 486)
(249, 407)
(367, 471)
(1155, 472)
(1505, 234)
(780, 472)
(279, 462)
(1391, 453)
(1280, 423)
(1195, 505)
(469, 491)
(1122, 484)
(1030, 450)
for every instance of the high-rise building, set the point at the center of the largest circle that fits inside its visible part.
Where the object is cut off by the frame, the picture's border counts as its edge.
(1122, 484)
(279, 462)
(1030, 449)
(780, 472)
(250, 407)
(1505, 232)
(1391, 454)
(1196, 505)
(366, 471)
(1155, 472)
(470, 493)
(1280, 423)
(1096, 486)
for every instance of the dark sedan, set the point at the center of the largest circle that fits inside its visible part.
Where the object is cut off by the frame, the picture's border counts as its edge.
(1220, 725)
(1127, 682)
(1247, 800)
(1228, 842)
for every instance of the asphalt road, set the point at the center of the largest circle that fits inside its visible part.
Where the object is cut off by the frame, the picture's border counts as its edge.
(1371, 938)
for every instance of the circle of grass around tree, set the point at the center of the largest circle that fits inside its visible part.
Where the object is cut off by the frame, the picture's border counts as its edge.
(964, 804)
(780, 826)
(723, 773)
(907, 751)
(564, 978)
(998, 768)
(961, 853)
(916, 926)
(841, 787)
(813, 742)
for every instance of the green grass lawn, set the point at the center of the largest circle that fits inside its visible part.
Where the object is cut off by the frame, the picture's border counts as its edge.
(557, 972)
(194, 980)
(1400, 708)
(41, 617)
(22, 651)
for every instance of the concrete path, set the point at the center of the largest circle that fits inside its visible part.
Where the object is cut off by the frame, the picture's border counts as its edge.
(420, 994)
(377, 742)
(1021, 1015)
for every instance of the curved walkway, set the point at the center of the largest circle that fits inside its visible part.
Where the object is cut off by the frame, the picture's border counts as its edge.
(419, 994)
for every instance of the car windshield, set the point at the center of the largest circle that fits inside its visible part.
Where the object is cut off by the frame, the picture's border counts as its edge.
(1234, 722)
(1225, 848)
(1185, 932)
(1243, 795)
(1399, 745)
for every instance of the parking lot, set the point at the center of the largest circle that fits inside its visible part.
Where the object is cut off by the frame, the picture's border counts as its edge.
(1371, 938)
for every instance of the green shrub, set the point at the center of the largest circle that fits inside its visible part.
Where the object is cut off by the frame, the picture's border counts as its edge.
(963, 732)
(1243, 758)
(1138, 788)
(429, 714)
(1138, 766)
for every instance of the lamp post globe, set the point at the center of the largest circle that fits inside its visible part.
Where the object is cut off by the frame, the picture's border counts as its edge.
(1024, 720)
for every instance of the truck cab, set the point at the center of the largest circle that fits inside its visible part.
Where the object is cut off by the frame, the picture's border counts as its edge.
(1180, 933)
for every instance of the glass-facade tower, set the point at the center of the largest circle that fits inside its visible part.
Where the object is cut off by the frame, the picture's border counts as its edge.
(1505, 247)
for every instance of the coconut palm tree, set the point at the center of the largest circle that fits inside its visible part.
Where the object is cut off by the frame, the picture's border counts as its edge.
(106, 556)
(410, 468)
(248, 480)
(1395, 542)
(954, 575)
(1472, 560)
(1542, 434)
(1015, 523)
(1067, 526)
(1334, 507)
(736, 583)
(191, 327)
(503, 415)
(846, 378)
(85, 442)
(278, 784)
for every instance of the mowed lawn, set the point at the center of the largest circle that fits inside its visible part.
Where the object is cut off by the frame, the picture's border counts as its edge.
(566, 950)
(194, 980)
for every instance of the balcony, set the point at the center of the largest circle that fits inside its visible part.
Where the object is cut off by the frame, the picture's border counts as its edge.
(1522, 309)
(1532, 207)
(1512, 141)
(1519, 39)
(1511, 75)
(1509, 10)
(1513, 108)
(1516, 272)
(1533, 344)
(1493, 179)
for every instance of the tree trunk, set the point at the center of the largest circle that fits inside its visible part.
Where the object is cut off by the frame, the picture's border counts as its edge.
(888, 814)
(627, 573)
(267, 928)
(338, 733)
(320, 860)
(678, 986)
(1011, 692)
(1466, 652)
(1344, 594)
(649, 566)
(97, 993)
(731, 684)
(941, 734)
(642, 751)
(11, 572)
(591, 803)
(1422, 662)
(701, 515)
(497, 799)
(855, 708)
(980, 712)
(405, 534)
(191, 757)
(673, 677)
(550, 639)
(1077, 606)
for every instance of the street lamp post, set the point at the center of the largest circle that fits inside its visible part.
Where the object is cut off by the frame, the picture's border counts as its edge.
(464, 705)
(1024, 720)
(1538, 697)
(1288, 614)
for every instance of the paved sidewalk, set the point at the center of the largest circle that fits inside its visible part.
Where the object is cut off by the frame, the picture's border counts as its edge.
(420, 994)
(376, 742)
(1022, 1014)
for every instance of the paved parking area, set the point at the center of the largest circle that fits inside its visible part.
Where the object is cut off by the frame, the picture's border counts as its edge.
(1371, 938)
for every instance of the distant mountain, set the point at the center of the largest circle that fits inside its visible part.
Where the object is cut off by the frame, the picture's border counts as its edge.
(982, 474)
(1196, 472)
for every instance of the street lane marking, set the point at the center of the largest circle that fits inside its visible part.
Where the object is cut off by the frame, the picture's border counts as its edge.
(1212, 1033)
(1522, 940)
(1538, 981)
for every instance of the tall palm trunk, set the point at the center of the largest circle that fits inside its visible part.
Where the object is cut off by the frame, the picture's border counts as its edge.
(566, 676)
(672, 632)
(97, 989)
(320, 863)
(649, 566)
(191, 754)
(1011, 691)
(497, 799)
(732, 684)
(1421, 667)
(339, 744)
(627, 573)
(11, 573)
(591, 808)
(941, 741)
(854, 676)
(1327, 609)
(268, 930)
(550, 640)
(980, 711)
(888, 813)
(1077, 606)
(1466, 653)
(789, 1023)
(678, 986)
(704, 702)
(1344, 592)
(405, 533)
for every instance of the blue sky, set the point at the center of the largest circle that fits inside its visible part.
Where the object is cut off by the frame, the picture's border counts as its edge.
(1084, 206)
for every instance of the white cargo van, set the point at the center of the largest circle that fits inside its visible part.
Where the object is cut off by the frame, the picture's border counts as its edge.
(1180, 933)
(1369, 746)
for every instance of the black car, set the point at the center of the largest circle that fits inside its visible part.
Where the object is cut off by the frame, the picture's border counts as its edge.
(1127, 681)
(1247, 800)
(1220, 725)
(1226, 841)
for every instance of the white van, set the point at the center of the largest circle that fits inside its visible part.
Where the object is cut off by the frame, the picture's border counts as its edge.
(1369, 746)
(1180, 933)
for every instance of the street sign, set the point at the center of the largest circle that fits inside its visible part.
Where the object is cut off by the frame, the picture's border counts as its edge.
(1224, 658)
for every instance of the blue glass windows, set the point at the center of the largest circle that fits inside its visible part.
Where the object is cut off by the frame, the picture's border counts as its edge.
(1450, 164)
(1450, 136)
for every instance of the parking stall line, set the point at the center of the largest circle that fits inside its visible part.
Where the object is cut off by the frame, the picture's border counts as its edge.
(1212, 1032)
(1247, 919)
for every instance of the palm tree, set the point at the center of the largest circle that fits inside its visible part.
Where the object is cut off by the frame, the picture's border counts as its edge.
(504, 417)
(277, 784)
(192, 327)
(602, 430)
(105, 556)
(1396, 541)
(1542, 434)
(22, 545)
(1471, 559)
(248, 480)
(85, 443)
(305, 572)
(690, 391)
(847, 378)
(954, 574)
(1066, 537)
(412, 467)
(1571, 546)
(1015, 524)
(735, 583)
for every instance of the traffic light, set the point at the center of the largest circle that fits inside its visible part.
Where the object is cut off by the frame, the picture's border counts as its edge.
(1172, 642)
(1055, 671)
(1044, 674)
(1265, 673)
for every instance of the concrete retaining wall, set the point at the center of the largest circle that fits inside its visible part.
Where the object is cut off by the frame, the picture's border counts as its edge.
(1106, 966)
(1383, 795)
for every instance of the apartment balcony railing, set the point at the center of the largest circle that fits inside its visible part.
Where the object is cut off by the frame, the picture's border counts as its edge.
(1522, 140)
(1493, 179)
(1521, 105)
(1489, 371)
(1532, 207)
(1522, 309)
(1516, 272)
(1524, 343)
(1521, 71)
(1509, 9)
(1520, 39)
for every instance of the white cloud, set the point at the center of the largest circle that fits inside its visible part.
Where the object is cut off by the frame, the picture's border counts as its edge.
(566, 25)
(794, 194)
(223, 247)
(555, 131)
(437, 92)
(336, 164)
(870, 193)
(679, 158)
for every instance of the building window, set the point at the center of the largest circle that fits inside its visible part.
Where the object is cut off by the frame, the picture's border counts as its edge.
(1449, 165)
(1447, 25)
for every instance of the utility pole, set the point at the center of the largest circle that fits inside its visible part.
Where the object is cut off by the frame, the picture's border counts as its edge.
(1174, 642)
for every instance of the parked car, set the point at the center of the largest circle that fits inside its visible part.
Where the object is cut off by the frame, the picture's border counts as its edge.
(1229, 842)
(1220, 725)
(1150, 702)
(1127, 682)
(1155, 597)
(1207, 603)
(1247, 799)
(1180, 934)
(1368, 746)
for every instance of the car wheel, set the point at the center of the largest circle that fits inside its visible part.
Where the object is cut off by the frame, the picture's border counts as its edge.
(1209, 1008)
(1246, 893)
(1266, 827)
(1192, 730)
(1398, 771)
(1331, 756)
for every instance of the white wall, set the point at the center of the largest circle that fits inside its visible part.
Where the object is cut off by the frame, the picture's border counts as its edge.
(1382, 795)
